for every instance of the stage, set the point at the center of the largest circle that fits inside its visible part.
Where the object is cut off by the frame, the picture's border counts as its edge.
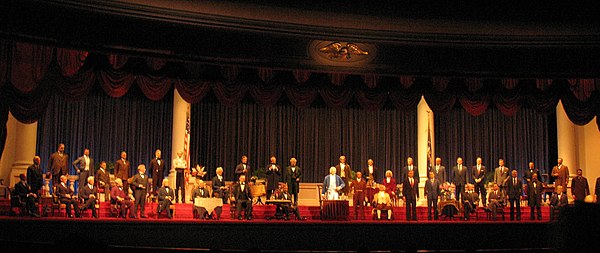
(185, 233)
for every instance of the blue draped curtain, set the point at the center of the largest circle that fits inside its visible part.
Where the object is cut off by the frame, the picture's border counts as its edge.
(316, 136)
(519, 139)
(107, 126)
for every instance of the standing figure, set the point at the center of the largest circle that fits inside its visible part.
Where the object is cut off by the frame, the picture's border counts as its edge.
(345, 171)
(122, 170)
(157, 167)
(58, 164)
(332, 185)
(534, 187)
(579, 187)
(501, 176)
(409, 167)
(84, 166)
(243, 169)
(432, 192)
(273, 176)
(359, 185)
(479, 172)
(560, 173)
(103, 180)
(530, 171)
(439, 170)
(371, 174)
(180, 166)
(140, 184)
(459, 177)
(35, 177)
(410, 189)
(514, 191)
(292, 177)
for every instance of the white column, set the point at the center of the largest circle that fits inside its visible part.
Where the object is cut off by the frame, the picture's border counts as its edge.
(19, 148)
(424, 120)
(180, 107)
(566, 133)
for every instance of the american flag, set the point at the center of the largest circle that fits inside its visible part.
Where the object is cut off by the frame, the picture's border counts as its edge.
(429, 149)
(186, 139)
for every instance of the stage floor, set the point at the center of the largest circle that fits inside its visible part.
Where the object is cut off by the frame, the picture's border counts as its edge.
(185, 233)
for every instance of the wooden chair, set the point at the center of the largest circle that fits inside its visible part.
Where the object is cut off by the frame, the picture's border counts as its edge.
(16, 203)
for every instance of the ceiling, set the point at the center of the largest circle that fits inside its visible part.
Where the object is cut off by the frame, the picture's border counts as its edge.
(468, 38)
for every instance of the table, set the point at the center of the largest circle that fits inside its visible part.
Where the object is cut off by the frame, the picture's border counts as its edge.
(208, 203)
(258, 190)
(448, 208)
(335, 210)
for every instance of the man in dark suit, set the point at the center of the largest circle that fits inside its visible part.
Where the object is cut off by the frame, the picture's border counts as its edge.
(286, 209)
(470, 199)
(292, 177)
(410, 189)
(359, 185)
(579, 187)
(496, 200)
(345, 172)
(409, 167)
(243, 198)
(558, 201)
(514, 190)
(35, 177)
(530, 171)
(84, 166)
(65, 194)
(479, 173)
(157, 167)
(166, 195)
(122, 171)
(88, 193)
(23, 190)
(459, 173)
(439, 170)
(58, 164)
(118, 196)
(243, 168)
(273, 176)
(560, 172)
(140, 183)
(218, 185)
(534, 188)
(501, 175)
(432, 192)
(103, 180)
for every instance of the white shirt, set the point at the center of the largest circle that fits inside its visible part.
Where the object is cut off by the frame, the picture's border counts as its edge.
(370, 169)
(87, 162)
(91, 186)
(387, 180)
(158, 161)
(332, 183)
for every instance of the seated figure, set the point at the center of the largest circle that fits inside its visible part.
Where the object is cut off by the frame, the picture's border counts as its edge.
(202, 192)
(26, 195)
(286, 209)
(382, 202)
(88, 193)
(165, 198)
(558, 201)
(65, 194)
(496, 200)
(118, 196)
(470, 199)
